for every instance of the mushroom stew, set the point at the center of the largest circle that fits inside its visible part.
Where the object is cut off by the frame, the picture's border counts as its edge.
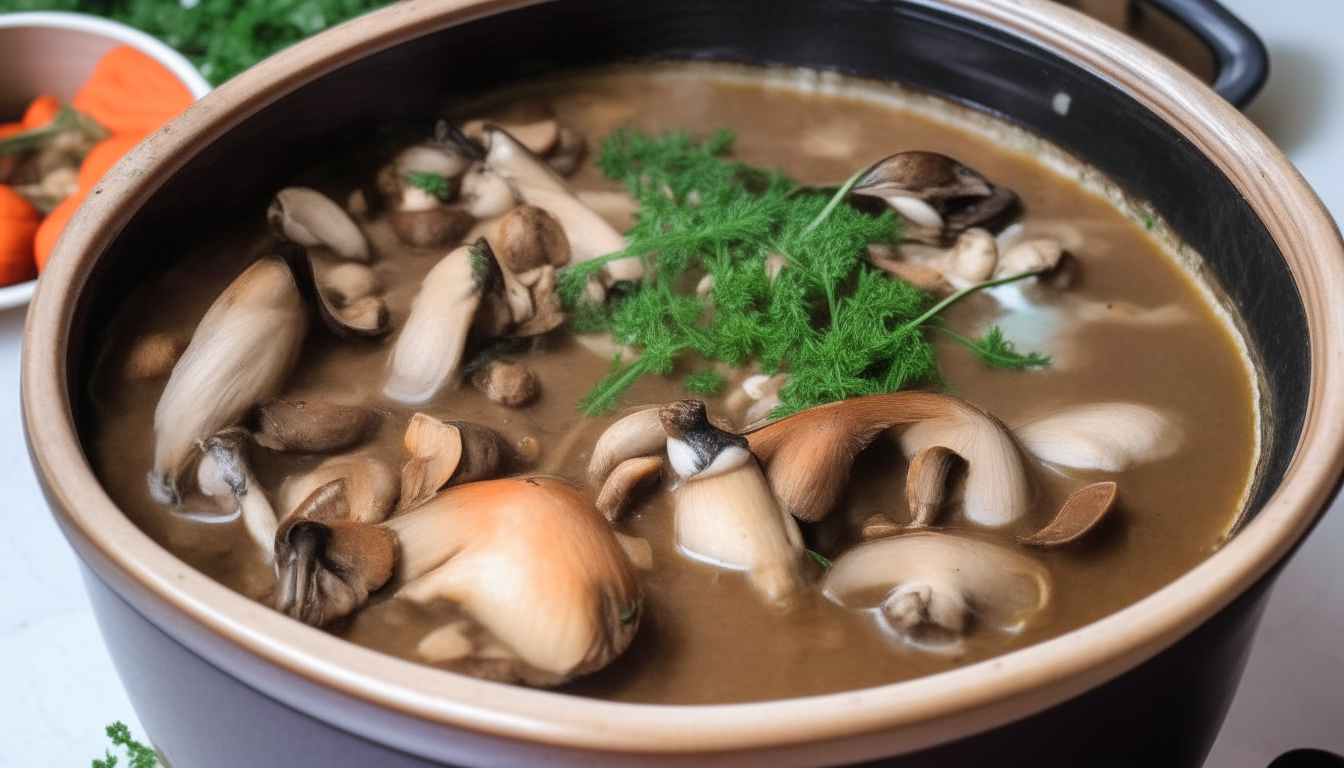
(686, 383)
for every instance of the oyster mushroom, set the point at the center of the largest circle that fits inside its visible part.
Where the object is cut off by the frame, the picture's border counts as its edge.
(419, 216)
(529, 245)
(371, 486)
(428, 352)
(1038, 255)
(240, 354)
(459, 451)
(971, 259)
(630, 478)
(1109, 437)
(807, 456)
(311, 219)
(532, 561)
(224, 471)
(311, 426)
(327, 563)
(363, 318)
(930, 588)
(1079, 515)
(938, 197)
(348, 282)
(485, 194)
(926, 484)
(724, 511)
(638, 433)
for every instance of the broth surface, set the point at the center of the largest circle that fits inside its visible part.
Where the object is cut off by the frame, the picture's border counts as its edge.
(705, 636)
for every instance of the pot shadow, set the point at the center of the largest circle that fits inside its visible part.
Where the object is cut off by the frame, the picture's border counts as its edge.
(1292, 107)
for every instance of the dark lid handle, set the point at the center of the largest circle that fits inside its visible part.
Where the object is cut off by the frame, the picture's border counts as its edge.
(1243, 63)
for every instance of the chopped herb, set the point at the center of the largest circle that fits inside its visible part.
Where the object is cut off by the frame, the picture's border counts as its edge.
(137, 755)
(1149, 222)
(429, 181)
(821, 559)
(704, 382)
(629, 614)
(792, 289)
(997, 352)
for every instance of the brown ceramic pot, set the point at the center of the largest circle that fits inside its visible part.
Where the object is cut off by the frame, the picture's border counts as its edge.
(221, 681)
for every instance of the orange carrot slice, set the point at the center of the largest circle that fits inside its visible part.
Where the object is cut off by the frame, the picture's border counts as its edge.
(42, 111)
(103, 156)
(129, 92)
(18, 224)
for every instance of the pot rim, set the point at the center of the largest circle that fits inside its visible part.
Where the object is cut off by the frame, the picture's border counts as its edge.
(914, 713)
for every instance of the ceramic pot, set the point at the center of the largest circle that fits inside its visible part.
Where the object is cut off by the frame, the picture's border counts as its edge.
(219, 680)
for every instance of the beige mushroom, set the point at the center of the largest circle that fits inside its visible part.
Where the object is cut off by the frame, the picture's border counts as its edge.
(311, 219)
(371, 486)
(240, 355)
(529, 245)
(224, 471)
(533, 562)
(485, 194)
(312, 426)
(1038, 255)
(1109, 437)
(631, 478)
(348, 282)
(638, 433)
(971, 259)
(457, 451)
(931, 588)
(509, 384)
(724, 511)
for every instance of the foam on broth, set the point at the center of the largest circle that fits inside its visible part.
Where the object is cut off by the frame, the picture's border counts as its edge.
(705, 635)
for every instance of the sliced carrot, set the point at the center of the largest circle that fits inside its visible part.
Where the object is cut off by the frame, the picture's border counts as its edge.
(19, 222)
(50, 230)
(103, 156)
(9, 129)
(129, 92)
(42, 111)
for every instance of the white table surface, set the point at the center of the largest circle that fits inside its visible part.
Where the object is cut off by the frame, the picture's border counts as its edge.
(58, 688)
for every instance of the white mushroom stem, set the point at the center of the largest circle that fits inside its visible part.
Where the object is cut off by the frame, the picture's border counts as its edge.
(724, 511)
(429, 349)
(1109, 437)
(589, 234)
(240, 355)
(928, 586)
(310, 219)
(532, 561)
(224, 469)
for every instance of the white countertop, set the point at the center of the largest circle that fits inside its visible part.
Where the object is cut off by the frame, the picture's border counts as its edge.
(58, 689)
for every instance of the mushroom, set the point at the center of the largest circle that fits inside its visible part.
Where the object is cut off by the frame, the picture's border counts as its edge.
(529, 245)
(371, 486)
(588, 233)
(618, 207)
(938, 196)
(348, 282)
(442, 451)
(363, 318)
(971, 259)
(756, 399)
(224, 471)
(630, 478)
(807, 456)
(509, 384)
(928, 587)
(532, 561)
(153, 356)
(638, 433)
(328, 563)
(926, 484)
(1081, 513)
(1038, 255)
(240, 354)
(724, 511)
(485, 194)
(311, 219)
(311, 426)
(1109, 437)
(427, 353)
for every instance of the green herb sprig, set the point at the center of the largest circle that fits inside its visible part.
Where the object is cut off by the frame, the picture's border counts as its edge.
(433, 183)
(792, 288)
(137, 755)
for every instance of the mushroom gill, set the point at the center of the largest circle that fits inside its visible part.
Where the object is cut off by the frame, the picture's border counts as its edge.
(724, 512)
(240, 355)
(1109, 437)
(532, 561)
(807, 456)
(931, 588)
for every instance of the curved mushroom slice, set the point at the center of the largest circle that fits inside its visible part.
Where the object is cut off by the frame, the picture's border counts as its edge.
(589, 234)
(240, 354)
(225, 470)
(533, 561)
(938, 196)
(348, 282)
(1109, 437)
(807, 456)
(311, 219)
(926, 484)
(928, 587)
(630, 478)
(486, 195)
(371, 486)
(1081, 513)
(724, 511)
(311, 426)
(529, 244)
(442, 451)
(1038, 255)
(327, 563)
(971, 259)
(366, 317)
(428, 352)
(639, 433)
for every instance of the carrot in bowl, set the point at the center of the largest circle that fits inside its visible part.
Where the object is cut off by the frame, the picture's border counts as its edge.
(18, 224)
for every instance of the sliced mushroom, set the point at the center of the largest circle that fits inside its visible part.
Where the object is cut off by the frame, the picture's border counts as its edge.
(240, 354)
(929, 587)
(486, 195)
(532, 561)
(630, 478)
(363, 318)
(971, 258)
(1109, 437)
(568, 152)
(371, 486)
(311, 426)
(311, 219)
(724, 511)
(348, 282)
(153, 357)
(328, 564)
(1081, 513)
(639, 433)
(1038, 255)
(428, 352)
(618, 208)
(509, 384)
(938, 196)
(458, 451)
(225, 470)
(807, 457)
(926, 484)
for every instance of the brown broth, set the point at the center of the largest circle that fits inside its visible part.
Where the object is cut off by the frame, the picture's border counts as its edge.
(705, 636)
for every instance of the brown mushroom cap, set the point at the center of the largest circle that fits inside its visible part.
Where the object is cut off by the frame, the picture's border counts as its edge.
(311, 426)
(528, 237)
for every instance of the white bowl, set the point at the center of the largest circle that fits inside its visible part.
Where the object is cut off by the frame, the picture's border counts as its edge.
(54, 52)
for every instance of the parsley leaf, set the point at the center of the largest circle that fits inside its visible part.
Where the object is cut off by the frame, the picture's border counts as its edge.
(137, 755)
(429, 181)
(997, 352)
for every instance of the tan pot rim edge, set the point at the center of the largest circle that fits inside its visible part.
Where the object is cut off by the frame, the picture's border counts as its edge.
(977, 697)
